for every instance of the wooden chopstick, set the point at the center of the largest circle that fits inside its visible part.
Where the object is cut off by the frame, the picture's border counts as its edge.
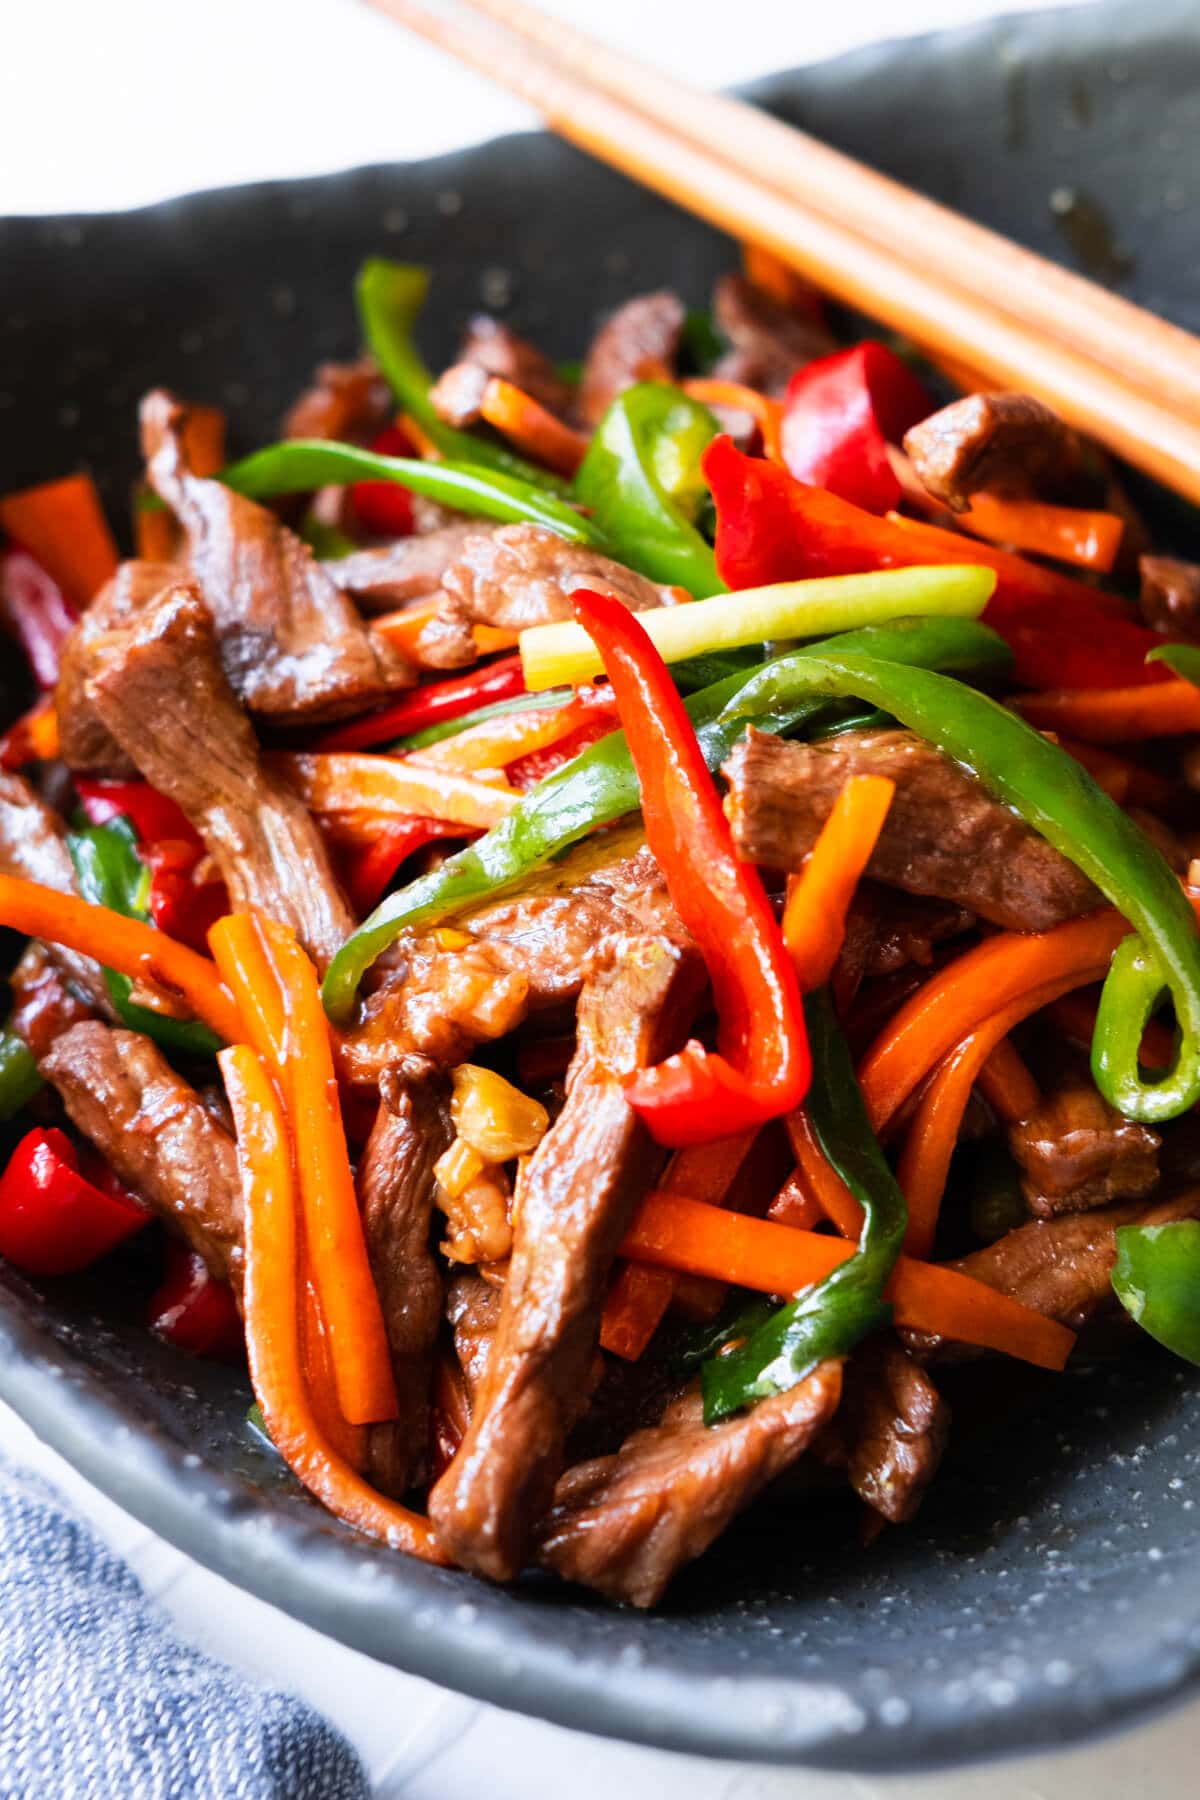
(1148, 352)
(944, 319)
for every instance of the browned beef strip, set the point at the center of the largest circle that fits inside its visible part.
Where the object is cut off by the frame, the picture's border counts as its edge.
(944, 835)
(473, 1310)
(43, 1004)
(292, 644)
(625, 1524)
(1075, 1151)
(156, 1132)
(350, 401)
(638, 343)
(576, 1196)
(395, 1191)
(159, 687)
(768, 341)
(33, 846)
(494, 347)
(887, 930)
(457, 394)
(896, 1425)
(86, 746)
(517, 576)
(1170, 595)
(1009, 442)
(412, 568)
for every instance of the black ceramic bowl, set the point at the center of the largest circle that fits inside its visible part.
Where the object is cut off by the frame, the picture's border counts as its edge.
(1051, 1587)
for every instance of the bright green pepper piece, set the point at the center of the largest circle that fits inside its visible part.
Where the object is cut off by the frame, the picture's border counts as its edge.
(829, 1318)
(1182, 659)
(640, 475)
(19, 1078)
(1157, 1281)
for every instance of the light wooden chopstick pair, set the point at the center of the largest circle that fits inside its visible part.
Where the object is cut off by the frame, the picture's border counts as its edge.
(961, 292)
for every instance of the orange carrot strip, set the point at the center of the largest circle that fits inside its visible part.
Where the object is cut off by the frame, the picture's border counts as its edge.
(822, 1179)
(356, 781)
(33, 737)
(490, 638)
(960, 996)
(767, 413)
(796, 1205)
(419, 438)
(155, 530)
(204, 439)
(1115, 715)
(1075, 1016)
(494, 743)
(320, 1378)
(1006, 1084)
(62, 524)
(941, 546)
(531, 427)
(127, 945)
(814, 919)
(403, 628)
(678, 1233)
(272, 1310)
(1070, 534)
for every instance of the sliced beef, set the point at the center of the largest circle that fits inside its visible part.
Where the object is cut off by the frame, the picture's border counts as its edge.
(348, 401)
(576, 1196)
(1075, 1151)
(625, 1524)
(768, 341)
(395, 1192)
(1007, 442)
(457, 394)
(473, 1310)
(86, 746)
(159, 687)
(291, 643)
(638, 343)
(44, 1005)
(157, 1133)
(494, 347)
(944, 835)
(887, 930)
(412, 568)
(895, 1424)
(1170, 595)
(33, 847)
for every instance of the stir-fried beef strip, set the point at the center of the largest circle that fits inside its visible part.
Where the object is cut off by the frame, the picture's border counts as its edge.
(575, 1198)
(894, 1425)
(768, 341)
(473, 1311)
(887, 930)
(292, 644)
(413, 568)
(1170, 595)
(159, 687)
(395, 1190)
(944, 835)
(348, 401)
(625, 1524)
(33, 847)
(1007, 442)
(457, 394)
(85, 744)
(44, 1005)
(156, 1132)
(492, 346)
(638, 343)
(1075, 1151)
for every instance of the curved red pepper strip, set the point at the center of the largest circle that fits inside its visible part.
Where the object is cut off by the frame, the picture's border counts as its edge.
(839, 416)
(384, 508)
(429, 704)
(762, 1069)
(53, 1220)
(192, 1309)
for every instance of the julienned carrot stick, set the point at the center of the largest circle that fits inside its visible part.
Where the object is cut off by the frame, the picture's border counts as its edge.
(1006, 1084)
(276, 986)
(531, 427)
(949, 1006)
(403, 628)
(822, 1179)
(62, 524)
(352, 781)
(320, 1377)
(1116, 715)
(494, 743)
(33, 737)
(796, 1205)
(678, 1233)
(767, 413)
(818, 899)
(272, 1315)
(126, 945)
(1071, 534)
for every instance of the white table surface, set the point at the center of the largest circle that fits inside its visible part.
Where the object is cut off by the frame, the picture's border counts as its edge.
(110, 103)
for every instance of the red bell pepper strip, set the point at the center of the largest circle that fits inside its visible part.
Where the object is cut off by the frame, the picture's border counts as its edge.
(384, 508)
(771, 527)
(367, 874)
(762, 1067)
(839, 416)
(193, 1310)
(181, 904)
(152, 815)
(53, 1221)
(436, 701)
(35, 611)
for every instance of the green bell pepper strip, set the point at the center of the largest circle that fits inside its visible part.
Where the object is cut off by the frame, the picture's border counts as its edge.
(19, 1078)
(829, 1318)
(635, 480)
(1157, 1280)
(600, 785)
(1059, 799)
(390, 297)
(1182, 660)
(302, 464)
(111, 873)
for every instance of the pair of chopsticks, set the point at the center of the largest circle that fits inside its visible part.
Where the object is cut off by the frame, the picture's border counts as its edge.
(962, 293)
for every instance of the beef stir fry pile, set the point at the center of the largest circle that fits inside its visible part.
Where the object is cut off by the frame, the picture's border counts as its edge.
(605, 922)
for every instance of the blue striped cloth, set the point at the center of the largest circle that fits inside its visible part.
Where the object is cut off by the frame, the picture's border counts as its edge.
(99, 1698)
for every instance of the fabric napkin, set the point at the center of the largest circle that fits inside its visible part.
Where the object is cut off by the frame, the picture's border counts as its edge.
(100, 1699)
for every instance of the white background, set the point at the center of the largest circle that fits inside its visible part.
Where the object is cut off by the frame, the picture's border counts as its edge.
(109, 103)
